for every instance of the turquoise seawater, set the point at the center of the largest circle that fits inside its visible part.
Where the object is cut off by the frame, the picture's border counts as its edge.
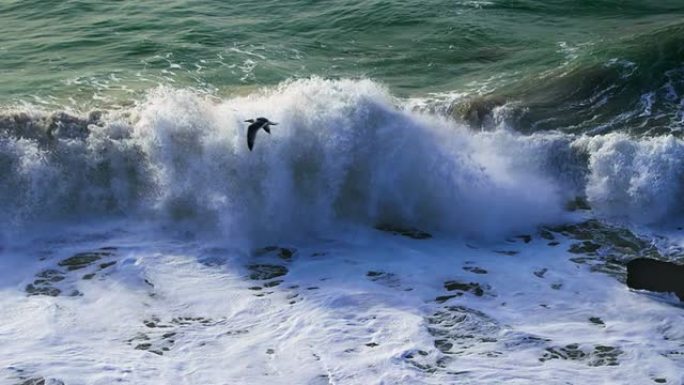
(96, 53)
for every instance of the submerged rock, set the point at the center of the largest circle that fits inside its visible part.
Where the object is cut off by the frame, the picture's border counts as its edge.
(600, 355)
(81, 260)
(658, 276)
(283, 253)
(457, 329)
(41, 381)
(605, 248)
(472, 287)
(405, 231)
(264, 271)
(579, 203)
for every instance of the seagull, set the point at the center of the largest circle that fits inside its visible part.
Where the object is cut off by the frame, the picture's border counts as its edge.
(254, 127)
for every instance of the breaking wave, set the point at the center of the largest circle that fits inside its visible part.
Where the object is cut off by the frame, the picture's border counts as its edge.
(344, 151)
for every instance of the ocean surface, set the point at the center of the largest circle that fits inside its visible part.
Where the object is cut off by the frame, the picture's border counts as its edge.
(450, 196)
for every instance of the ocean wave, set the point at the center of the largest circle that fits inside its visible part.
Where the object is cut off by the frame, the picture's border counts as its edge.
(344, 151)
(634, 84)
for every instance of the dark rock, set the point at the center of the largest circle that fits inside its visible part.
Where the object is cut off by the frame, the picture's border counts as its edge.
(107, 264)
(282, 252)
(383, 278)
(653, 275)
(471, 287)
(264, 271)
(597, 321)
(444, 298)
(273, 283)
(42, 290)
(507, 252)
(584, 247)
(457, 329)
(600, 356)
(81, 260)
(578, 203)
(51, 275)
(405, 231)
(525, 238)
(475, 270)
(540, 273)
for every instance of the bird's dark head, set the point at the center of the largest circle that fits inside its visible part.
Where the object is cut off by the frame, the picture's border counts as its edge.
(249, 121)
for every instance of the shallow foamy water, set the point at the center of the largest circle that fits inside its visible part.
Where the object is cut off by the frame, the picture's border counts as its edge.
(368, 306)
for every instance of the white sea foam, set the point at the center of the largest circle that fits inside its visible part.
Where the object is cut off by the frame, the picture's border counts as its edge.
(359, 309)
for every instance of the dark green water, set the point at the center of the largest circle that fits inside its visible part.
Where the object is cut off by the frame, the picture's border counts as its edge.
(554, 57)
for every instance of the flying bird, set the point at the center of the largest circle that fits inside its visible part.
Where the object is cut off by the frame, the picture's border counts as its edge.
(254, 127)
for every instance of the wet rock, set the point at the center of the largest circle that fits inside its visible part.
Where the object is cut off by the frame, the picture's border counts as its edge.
(546, 235)
(385, 279)
(273, 283)
(266, 271)
(283, 253)
(457, 329)
(107, 264)
(42, 290)
(82, 260)
(579, 203)
(540, 273)
(658, 276)
(507, 252)
(443, 298)
(472, 287)
(160, 336)
(44, 284)
(41, 381)
(585, 247)
(51, 275)
(606, 248)
(475, 270)
(601, 355)
(597, 321)
(420, 360)
(404, 231)
(525, 238)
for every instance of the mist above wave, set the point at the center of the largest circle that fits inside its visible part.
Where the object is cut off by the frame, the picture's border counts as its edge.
(345, 151)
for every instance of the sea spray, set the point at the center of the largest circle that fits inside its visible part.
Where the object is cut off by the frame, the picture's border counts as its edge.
(344, 151)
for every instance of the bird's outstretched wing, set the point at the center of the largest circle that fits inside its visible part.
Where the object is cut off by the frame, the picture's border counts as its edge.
(251, 134)
(267, 128)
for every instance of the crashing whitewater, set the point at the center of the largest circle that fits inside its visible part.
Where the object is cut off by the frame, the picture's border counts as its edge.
(147, 245)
